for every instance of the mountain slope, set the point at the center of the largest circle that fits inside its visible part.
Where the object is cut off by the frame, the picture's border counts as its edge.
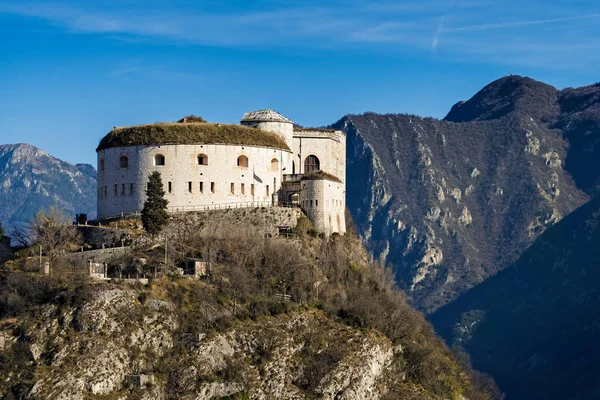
(535, 326)
(449, 204)
(580, 123)
(31, 179)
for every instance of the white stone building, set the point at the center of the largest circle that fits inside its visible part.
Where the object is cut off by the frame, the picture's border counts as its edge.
(265, 161)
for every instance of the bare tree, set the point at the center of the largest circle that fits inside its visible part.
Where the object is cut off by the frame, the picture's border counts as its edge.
(283, 264)
(52, 230)
(21, 234)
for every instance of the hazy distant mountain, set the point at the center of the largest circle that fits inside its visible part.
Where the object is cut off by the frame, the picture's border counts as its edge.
(451, 202)
(535, 326)
(31, 179)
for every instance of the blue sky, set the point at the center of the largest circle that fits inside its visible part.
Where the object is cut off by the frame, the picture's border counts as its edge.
(71, 70)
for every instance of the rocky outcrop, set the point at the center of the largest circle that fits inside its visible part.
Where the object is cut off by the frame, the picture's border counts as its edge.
(99, 348)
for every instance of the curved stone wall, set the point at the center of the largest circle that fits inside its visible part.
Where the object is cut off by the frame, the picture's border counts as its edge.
(284, 129)
(324, 203)
(191, 182)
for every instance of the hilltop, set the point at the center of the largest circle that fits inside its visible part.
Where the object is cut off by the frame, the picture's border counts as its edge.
(342, 332)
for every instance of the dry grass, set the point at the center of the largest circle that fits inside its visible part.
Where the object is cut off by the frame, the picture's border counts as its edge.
(299, 128)
(190, 133)
(320, 176)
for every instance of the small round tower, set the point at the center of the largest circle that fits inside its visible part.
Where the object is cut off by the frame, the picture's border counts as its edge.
(271, 121)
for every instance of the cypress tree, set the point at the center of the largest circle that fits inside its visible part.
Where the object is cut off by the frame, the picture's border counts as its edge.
(154, 213)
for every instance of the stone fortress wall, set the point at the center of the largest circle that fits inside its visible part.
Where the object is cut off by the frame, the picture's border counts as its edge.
(193, 176)
(328, 146)
(196, 176)
(323, 201)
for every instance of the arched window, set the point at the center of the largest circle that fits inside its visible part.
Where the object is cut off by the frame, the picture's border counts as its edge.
(311, 163)
(202, 159)
(242, 161)
(102, 164)
(159, 159)
(274, 165)
(123, 162)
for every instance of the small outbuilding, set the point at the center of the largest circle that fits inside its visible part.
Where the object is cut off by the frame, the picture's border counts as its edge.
(195, 267)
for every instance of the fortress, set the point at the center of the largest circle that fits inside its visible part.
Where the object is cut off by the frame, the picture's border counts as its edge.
(266, 161)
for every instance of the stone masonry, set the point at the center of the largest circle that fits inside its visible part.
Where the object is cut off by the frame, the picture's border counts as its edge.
(203, 176)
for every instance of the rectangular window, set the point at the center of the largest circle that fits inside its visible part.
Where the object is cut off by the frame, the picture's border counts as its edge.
(116, 190)
(123, 189)
(201, 187)
(311, 204)
(105, 192)
(242, 189)
(267, 190)
(316, 203)
(233, 188)
(212, 187)
(190, 187)
(170, 187)
(131, 189)
(252, 189)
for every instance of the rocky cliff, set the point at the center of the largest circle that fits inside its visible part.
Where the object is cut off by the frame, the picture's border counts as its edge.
(451, 202)
(93, 351)
(31, 179)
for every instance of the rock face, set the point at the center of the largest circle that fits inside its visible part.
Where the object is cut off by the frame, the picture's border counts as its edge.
(450, 203)
(29, 176)
(534, 326)
(102, 346)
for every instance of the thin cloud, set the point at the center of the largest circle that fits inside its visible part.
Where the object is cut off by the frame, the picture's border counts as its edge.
(383, 26)
(438, 34)
(513, 24)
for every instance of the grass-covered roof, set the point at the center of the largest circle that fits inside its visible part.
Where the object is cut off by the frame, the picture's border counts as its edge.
(320, 176)
(190, 133)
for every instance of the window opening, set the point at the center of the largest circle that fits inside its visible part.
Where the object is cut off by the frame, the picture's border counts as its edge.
(242, 161)
(159, 160)
(311, 163)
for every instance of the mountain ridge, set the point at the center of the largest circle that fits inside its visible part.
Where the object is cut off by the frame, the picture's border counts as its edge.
(448, 203)
(31, 179)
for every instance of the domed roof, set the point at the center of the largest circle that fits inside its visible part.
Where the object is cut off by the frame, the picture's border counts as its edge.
(266, 115)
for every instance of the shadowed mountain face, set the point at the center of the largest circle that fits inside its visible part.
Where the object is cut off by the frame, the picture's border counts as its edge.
(535, 326)
(449, 204)
(31, 180)
(513, 94)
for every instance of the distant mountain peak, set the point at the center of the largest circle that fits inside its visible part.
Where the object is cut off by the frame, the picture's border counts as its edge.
(31, 179)
(513, 93)
(21, 149)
